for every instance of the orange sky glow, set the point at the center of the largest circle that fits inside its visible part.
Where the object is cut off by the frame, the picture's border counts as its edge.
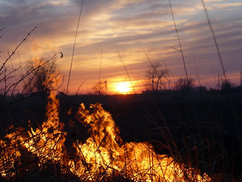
(116, 40)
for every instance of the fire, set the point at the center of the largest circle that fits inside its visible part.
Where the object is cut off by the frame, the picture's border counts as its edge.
(101, 157)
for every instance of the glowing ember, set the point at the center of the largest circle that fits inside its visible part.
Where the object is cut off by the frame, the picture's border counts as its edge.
(102, 156)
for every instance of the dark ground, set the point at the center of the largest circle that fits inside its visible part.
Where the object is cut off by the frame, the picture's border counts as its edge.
(204, 129)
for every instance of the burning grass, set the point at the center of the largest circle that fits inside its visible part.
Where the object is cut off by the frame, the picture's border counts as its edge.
(43, 153)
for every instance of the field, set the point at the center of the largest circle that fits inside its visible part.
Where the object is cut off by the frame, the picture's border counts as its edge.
(184, 133)
(201, 130)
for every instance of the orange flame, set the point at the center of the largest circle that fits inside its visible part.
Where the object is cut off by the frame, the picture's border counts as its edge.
(102, 156)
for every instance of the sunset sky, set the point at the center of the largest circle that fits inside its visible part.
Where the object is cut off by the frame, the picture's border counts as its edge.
(111, 32)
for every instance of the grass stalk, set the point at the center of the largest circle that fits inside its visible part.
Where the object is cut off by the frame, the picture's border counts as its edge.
(74, 46)
(17, 48)
(215, 40)
(125, 68)
(178, 38)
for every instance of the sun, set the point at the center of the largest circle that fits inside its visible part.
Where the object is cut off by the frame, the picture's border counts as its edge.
(123, 87)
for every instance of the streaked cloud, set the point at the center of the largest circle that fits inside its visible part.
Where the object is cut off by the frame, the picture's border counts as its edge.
(126, 24)
(226, 6)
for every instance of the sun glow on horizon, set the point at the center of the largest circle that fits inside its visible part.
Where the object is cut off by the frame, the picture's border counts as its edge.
(123, 87)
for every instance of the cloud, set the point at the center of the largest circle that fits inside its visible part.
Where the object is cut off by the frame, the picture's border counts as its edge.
(225, 6)
(123, 23)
